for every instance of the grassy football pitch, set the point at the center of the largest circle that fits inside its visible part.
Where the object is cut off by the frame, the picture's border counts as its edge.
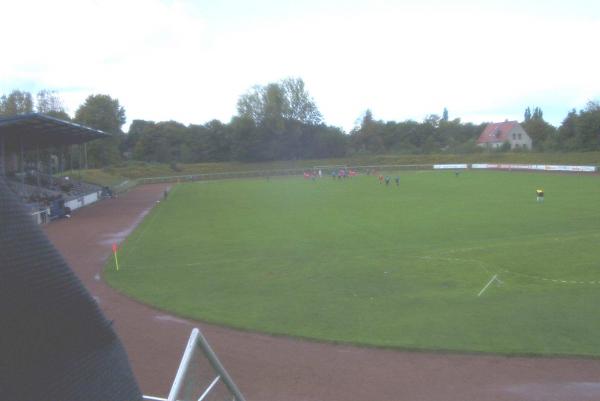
(400, 266)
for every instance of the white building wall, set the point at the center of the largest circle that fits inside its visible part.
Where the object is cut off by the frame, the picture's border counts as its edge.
(518, 138)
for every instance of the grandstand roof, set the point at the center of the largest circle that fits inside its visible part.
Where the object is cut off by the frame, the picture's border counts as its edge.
(41, 131)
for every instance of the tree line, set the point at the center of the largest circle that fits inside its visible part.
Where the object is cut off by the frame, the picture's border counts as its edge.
(281, 121)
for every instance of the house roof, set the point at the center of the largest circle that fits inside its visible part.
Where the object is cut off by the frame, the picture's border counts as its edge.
(497, 132)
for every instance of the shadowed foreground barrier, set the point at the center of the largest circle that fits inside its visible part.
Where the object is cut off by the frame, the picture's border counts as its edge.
(55, 342)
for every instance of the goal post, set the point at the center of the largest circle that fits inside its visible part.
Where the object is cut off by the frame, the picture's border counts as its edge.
(328, 169)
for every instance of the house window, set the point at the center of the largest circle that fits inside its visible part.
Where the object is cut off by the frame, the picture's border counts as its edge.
(519, 136)
(514, 136)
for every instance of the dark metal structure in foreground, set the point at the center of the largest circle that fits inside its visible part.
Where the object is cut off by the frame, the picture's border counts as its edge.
(55, 344)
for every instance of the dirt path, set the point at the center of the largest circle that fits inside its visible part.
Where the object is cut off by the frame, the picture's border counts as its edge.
(270, 368)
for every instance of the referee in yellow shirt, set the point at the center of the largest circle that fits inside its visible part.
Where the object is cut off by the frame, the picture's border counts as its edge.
(540, 195)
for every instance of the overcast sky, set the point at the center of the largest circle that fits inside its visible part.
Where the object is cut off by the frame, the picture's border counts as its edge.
(191, 60)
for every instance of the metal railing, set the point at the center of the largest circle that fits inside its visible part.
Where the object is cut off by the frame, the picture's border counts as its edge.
(125, 185)
(184, 379)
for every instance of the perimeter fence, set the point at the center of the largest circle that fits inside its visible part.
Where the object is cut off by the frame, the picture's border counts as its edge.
(221, 176)
(362, 169)
(275, 173)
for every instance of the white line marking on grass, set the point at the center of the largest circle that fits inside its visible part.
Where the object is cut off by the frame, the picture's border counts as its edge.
(118, 237)
(137, 239)
(167, 318)
(560, 281)
(488, 284)
(483, 265)
(479, 263)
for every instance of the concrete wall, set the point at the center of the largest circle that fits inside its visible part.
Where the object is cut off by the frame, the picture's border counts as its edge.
(83, 200)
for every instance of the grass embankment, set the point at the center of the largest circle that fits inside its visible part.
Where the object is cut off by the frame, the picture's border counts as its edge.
(358, 262)
(96, 176)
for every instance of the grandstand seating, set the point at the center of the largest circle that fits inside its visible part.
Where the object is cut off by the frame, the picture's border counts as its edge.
(52, 193)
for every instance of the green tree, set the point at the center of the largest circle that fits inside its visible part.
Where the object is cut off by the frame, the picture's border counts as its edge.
(17, 102)
(542, 133)
(217, 141)
(527, 114)
(49, 103)
(104, 113)
(137, 129)
(301, 106)
(454, 136)
(368, 137)
(568, 138)
(251, 104)
(281, 114)
(588, 126)
(581, 131)
(275, 107)
(248, 141)
(284, 100)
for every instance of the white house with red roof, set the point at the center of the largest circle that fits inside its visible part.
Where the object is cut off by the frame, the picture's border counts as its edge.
(497, 134)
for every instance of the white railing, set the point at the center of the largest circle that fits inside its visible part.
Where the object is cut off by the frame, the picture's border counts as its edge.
(42, 216)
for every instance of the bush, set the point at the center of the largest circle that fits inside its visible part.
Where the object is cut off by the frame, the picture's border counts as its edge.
(505, 147)
(175, 167)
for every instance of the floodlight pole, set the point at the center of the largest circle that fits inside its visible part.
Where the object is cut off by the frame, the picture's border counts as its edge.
(61, 160)
(79, 164)
(2, 171)
(22, 166)
(37, 164)
(85, 155)
(70, 158)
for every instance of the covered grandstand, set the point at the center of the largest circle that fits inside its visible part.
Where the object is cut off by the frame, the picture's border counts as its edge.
(35, 150)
